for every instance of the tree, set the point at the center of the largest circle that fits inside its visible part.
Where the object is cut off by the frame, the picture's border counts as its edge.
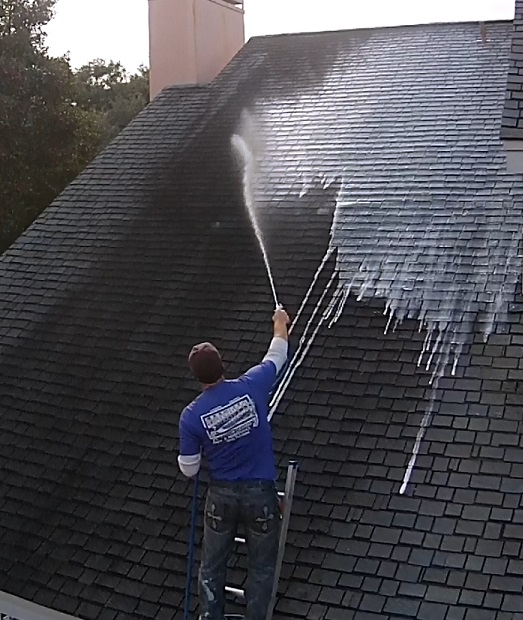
(45, 138)
(116, 97)
(22, 21)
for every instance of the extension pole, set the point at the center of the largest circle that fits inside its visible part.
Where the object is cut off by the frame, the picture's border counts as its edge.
(194, 515)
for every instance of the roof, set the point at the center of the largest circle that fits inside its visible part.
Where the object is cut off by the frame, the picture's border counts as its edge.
(382, 183)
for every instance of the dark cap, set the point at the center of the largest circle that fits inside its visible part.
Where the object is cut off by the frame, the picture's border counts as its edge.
(206, 363)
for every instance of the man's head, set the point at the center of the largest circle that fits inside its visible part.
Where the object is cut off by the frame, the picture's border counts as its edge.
(206, 363)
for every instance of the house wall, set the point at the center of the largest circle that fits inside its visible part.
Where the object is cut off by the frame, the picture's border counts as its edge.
(191, 41)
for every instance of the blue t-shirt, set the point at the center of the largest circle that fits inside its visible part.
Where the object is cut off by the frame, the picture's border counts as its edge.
(229, 424)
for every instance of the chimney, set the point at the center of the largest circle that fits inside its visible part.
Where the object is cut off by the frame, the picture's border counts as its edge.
(191, 41)
(512, 123)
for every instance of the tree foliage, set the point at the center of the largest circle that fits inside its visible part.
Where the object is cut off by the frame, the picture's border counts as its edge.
(45, 140)
(22, 21)
(114, 95)
(53, 121)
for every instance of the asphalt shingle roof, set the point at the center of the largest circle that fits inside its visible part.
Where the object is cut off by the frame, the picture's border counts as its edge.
(379, 149)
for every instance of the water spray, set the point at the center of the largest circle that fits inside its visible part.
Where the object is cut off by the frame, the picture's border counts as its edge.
(246, 157)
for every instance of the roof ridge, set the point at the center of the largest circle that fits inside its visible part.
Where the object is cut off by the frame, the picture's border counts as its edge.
(186, 87)
(377, 28)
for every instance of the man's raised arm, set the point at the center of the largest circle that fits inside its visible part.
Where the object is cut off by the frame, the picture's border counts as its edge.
(278, 349)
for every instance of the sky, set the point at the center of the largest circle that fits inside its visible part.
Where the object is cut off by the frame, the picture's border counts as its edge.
(118, 30)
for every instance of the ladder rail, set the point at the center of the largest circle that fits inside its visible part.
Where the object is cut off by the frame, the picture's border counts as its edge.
(290, 483)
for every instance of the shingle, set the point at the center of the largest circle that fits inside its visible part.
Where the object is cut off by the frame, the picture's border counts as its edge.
(405, 607)
(440, 594)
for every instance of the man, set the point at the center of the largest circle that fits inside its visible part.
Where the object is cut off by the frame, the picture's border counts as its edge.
(229, 424)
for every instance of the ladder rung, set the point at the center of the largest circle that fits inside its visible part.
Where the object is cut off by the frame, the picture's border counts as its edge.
(237, 592)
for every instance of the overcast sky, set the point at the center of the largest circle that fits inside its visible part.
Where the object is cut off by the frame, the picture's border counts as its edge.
(117, 29)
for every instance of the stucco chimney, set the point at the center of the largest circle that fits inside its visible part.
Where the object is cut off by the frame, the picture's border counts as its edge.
(191, 41)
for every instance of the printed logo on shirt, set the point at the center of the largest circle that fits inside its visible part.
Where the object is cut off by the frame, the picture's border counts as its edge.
(232, 421)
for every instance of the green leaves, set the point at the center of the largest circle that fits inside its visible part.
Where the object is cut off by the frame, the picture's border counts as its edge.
(42, 145)
(115, 96)
(25, 19)
(52, 121)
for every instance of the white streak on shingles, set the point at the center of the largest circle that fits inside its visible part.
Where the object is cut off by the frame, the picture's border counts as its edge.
(384, 261)
(302, 349)
(389, 320)
(341, 305)
(435, 349)
(426, 343)
(305, 300)
(481, 265)
(328, 254)
(340, 296)
(427, 417)
(457, 355)
(417, 443)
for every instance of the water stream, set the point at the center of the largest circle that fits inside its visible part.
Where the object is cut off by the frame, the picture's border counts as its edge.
(246, 157)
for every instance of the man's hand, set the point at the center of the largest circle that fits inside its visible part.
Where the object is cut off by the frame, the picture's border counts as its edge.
(281, 320)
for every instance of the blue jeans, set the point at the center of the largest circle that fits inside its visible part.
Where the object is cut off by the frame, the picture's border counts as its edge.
(255, 506)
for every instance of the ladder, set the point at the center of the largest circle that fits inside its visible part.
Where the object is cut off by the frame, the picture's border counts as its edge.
(286, 498)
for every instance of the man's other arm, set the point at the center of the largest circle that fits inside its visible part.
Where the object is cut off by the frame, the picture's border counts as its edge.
(189, 459)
